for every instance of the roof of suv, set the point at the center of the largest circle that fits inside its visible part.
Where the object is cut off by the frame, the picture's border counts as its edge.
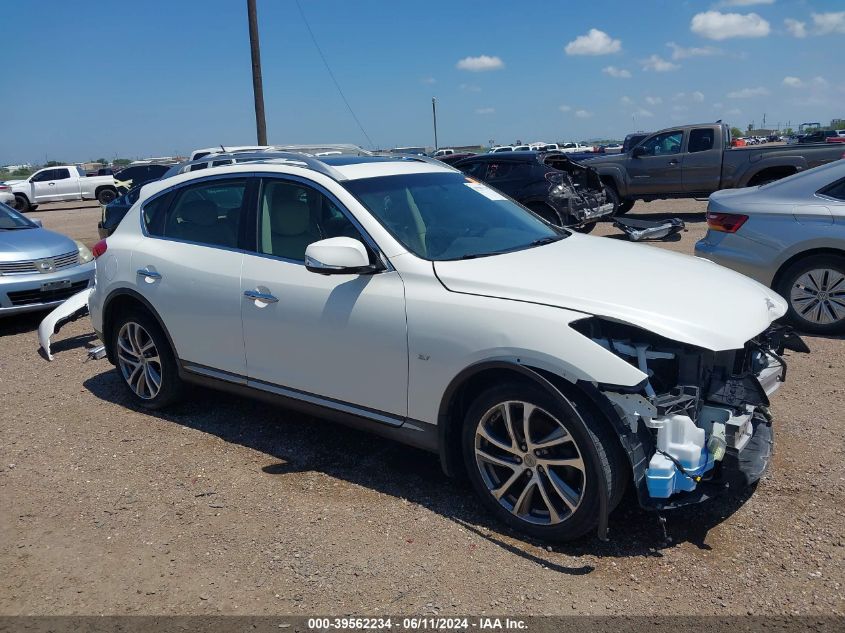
(339, 168)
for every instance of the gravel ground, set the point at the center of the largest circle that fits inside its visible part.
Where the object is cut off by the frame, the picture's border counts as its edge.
(226, 505)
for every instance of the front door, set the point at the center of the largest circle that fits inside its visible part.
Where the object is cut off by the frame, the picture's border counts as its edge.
(660, 169)
(44, 186)
(337, 340)
(191, 274)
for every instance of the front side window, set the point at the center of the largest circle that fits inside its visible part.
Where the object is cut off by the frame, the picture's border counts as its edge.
(662, 144)
(446, 216)
(293, 215)
(700, 140)
(205, 213)
(45, 176)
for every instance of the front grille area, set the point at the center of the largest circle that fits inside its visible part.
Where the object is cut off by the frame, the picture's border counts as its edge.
(29, 266)
(28, 297)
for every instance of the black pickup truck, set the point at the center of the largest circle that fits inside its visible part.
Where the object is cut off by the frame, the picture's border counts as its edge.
(693, 161)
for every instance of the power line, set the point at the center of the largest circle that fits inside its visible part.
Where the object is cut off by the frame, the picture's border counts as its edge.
(331, 74)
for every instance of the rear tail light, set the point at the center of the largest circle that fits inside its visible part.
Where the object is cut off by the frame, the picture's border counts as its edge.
(725, 222)
(99, 248)
(5, 188)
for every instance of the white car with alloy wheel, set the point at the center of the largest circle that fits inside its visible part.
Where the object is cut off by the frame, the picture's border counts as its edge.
(397, 295)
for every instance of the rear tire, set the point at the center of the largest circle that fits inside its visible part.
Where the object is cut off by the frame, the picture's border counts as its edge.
(104, 196)
(814, 288)
(549, 490)
(584, 228)
(145, 361)
(22, 203)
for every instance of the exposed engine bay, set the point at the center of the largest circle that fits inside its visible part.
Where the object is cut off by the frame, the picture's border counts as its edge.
(700, 417)
(576, 190)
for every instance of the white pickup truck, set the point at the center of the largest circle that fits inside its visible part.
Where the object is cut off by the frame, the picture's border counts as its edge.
(575, 148)
(63, 182)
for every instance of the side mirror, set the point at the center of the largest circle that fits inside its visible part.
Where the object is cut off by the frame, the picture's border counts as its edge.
(37, 223)
(339, 256)
(638, 151)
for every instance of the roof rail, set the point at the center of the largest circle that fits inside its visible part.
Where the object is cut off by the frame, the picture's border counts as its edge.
(268, 156)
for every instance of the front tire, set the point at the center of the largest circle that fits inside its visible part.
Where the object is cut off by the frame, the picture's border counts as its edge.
(528, 459)
(145, 361)
(22, 203)
(814, 288)
(621, 206)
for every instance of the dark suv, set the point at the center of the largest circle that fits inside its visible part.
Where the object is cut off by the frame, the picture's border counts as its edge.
(559, 190)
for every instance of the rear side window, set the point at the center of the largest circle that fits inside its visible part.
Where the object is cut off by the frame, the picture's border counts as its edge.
(476, 170)
(700, 140)
(836, 190)
(206, 213)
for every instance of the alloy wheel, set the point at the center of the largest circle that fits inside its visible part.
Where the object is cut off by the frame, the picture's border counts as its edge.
(139, 360)
(530, 463)
(818, 296)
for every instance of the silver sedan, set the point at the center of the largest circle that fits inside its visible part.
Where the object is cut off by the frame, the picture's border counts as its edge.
(789, 235)
(38, 268)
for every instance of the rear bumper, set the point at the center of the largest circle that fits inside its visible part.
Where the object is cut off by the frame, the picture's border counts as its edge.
(23, 293)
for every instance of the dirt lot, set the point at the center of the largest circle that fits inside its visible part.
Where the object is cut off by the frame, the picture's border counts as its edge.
(230, 506)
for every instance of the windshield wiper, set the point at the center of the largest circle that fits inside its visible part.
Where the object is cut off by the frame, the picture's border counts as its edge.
(547, 240)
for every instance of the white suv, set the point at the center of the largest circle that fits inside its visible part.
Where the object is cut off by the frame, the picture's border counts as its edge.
(397, 295)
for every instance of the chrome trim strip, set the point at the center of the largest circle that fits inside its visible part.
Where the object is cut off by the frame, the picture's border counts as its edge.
(294, 394)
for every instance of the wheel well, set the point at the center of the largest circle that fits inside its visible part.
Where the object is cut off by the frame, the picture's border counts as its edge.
(22, 195)
(608, 181)
(771, 173)
(125, 302)
(802, 255)
(460, 397)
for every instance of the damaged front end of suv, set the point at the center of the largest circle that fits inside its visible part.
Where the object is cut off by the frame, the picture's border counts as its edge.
(699, 423)
(575, 190)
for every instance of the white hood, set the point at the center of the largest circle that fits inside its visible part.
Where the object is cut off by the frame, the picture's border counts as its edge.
(682, 298)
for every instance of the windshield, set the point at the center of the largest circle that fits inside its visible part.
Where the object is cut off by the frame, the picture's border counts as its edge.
(11, 219)
(443, 216)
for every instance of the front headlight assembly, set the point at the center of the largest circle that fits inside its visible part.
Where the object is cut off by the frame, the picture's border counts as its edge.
(85, 254)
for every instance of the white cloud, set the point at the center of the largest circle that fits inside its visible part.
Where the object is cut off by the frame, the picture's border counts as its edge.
(480, 63)
(796, 28)
(485, 110)
(721, 26)
(626, 100)
(470, 88)
(748, 93)
(827, 23)
(821, 82)
(792, 82)
(718, 106)
(734, 112)
(743, 3)
(428, 80)
(680, 52)
(658, 64)
(618, 73)
(583, 114)
(595, 42)
(679, 95)
(644, 113)
(680, 108)
(653, 100)
(565, 108)
(697, 96)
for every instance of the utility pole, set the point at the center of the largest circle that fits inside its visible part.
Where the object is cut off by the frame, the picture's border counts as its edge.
(434, 116)
(257, 84)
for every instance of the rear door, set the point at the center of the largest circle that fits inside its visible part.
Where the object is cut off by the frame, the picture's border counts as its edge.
(702, 162)
(660, 169)
(189, 269)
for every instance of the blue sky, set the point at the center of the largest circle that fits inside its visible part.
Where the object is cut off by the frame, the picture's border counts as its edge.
(155, 77)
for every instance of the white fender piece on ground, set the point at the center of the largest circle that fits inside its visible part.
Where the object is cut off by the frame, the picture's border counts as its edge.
(72, 309)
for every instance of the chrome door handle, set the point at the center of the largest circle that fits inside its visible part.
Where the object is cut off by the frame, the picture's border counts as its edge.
(264, 297)
(673, 162)
(149, 274)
